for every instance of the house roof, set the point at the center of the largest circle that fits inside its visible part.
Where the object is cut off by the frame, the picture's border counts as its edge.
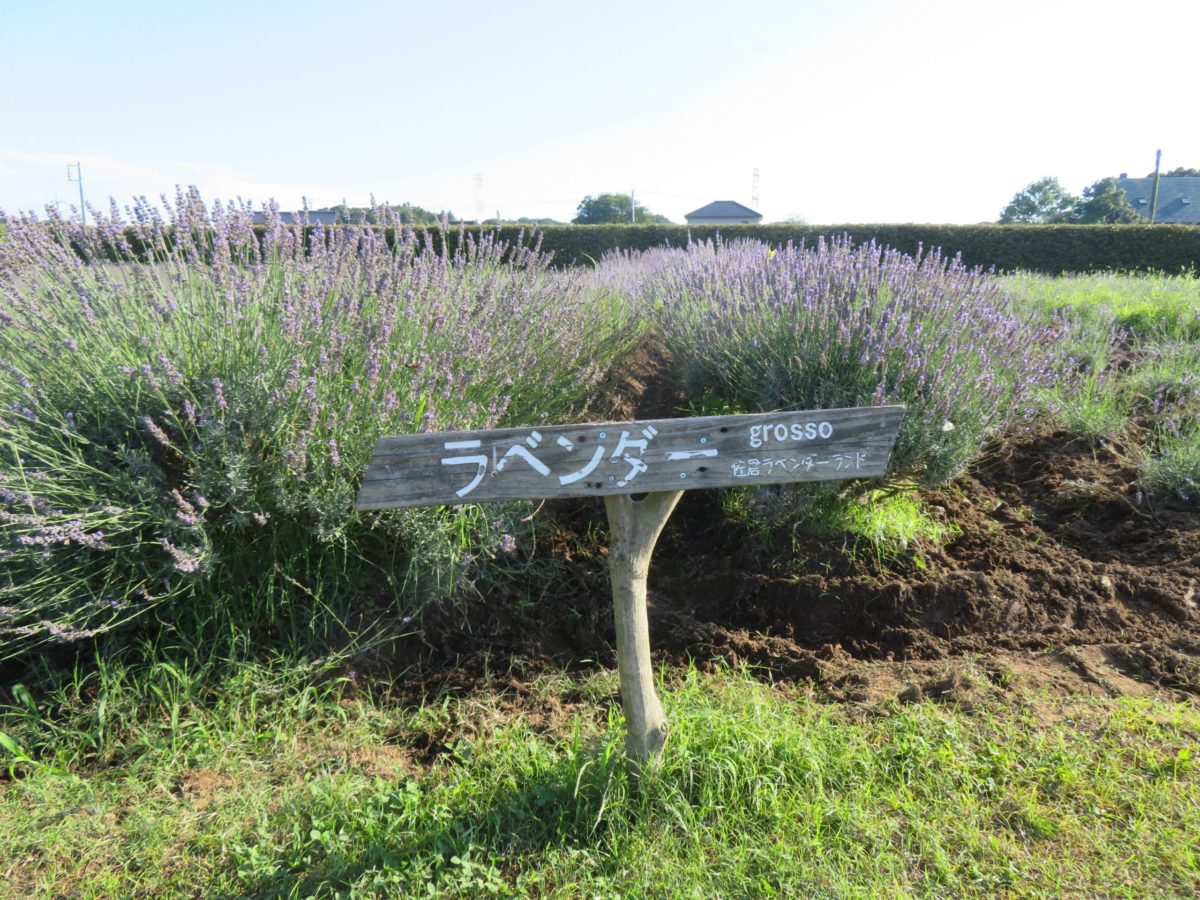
(1178, 197)
(723, 209)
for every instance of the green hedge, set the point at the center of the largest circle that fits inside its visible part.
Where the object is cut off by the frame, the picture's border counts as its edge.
(1050, 249)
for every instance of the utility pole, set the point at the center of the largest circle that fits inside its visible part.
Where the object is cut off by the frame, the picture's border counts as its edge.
(78, 178)
(754, 191)
(632, 208)
(1154, 196)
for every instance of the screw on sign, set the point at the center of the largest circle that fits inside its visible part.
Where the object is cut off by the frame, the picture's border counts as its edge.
(640, 469)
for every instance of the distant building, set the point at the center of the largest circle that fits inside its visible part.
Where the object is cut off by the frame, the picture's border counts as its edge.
(1178, 197)
(724, 212)
(287, 218)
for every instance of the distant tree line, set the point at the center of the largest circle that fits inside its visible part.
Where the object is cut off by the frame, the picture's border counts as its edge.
(408, 213)
(523, 220)
(603, 209)
(418, 215)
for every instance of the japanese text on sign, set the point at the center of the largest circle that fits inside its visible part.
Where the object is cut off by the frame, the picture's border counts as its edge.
(625, 458)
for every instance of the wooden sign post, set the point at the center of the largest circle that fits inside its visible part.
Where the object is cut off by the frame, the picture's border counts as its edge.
(641, 470)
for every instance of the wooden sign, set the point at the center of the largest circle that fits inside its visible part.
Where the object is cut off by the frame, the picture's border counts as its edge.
(629, 457)
(658, 459)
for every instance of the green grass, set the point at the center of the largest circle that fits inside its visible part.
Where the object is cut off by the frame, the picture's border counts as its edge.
(276, 788)
(892, 525)
(1144, 304)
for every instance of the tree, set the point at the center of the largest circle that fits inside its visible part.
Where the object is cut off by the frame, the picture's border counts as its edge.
(1042, 202)
(613, 209)
(1190, 173)
(1104, 203)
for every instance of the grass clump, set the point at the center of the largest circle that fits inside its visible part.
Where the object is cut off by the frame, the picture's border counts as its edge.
(1172, 466)
(188, 432)
(888, 527)
(892, 524)
(1135, 344)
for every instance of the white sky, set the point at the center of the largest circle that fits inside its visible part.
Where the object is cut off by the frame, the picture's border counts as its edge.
(854, 111)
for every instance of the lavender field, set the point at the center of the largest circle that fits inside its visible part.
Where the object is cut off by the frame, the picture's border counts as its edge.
(252, 689)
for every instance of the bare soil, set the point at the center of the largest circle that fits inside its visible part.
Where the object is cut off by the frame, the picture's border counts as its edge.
(1060, 576)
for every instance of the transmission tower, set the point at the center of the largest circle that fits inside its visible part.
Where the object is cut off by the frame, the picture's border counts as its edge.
(78, 179)
(754, 191)
(479, 198)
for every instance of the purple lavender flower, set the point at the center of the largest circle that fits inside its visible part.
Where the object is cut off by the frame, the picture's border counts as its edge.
(185, 561)
(184, 511)
(157, 433)
(219, 394)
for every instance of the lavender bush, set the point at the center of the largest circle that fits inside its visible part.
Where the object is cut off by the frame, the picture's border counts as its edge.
(175, 428)
(843, 325)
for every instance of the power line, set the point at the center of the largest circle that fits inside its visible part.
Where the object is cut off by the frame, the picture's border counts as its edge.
(17, 161)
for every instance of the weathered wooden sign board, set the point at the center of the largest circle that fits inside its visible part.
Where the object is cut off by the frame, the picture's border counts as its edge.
(629, 457)
(641, 470)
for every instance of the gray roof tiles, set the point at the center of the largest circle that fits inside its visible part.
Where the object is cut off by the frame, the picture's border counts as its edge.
(723, 209)
(1178, 198)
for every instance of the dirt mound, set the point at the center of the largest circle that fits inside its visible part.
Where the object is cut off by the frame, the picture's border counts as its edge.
(1055, 550)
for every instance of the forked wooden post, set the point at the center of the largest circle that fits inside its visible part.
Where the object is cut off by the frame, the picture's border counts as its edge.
(634, 527)
(659, 459)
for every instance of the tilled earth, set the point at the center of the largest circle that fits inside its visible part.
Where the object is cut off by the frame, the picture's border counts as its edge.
(1060, 574)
